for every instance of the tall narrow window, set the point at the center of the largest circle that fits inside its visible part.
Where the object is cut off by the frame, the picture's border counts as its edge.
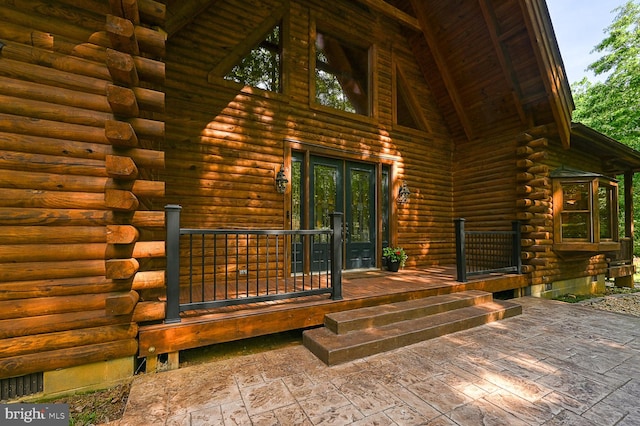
(407, 108)
(606, 199)
(341, 75)
(576, 211)
(261, 68)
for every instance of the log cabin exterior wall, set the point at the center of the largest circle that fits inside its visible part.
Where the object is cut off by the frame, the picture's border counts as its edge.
(224, 144)
(77, 181)
(105, 118)
(539, 153)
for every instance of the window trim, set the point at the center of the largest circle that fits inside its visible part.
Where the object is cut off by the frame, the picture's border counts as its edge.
(595, 243)
(399, 88)
(278, 17)
(371, 115)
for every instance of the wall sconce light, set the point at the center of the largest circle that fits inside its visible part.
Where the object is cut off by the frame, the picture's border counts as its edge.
(403, 194)
(281, 181)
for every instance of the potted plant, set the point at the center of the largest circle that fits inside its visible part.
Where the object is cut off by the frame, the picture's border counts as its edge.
(395, 257)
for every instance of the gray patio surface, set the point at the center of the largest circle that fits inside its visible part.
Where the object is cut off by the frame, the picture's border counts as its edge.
(556, 364)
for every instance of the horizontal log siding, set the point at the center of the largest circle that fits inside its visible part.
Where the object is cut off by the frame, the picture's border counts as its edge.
(485, 182)
(544, 264)
(54, 174)
(224, 146)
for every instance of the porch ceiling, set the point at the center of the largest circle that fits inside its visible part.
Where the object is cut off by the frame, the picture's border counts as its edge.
(498, 61)
(617, 158)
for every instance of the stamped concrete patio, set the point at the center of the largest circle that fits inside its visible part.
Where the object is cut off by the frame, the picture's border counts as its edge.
(556, 364)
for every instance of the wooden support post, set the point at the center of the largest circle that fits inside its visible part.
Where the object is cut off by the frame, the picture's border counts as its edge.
(336, 255)
(173, 263)
(152, 364)
(628, 206)
(173, 360)
(461, 267)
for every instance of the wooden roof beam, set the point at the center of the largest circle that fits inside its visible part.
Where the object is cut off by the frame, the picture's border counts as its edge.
(449, 83)
(393, 13)
(503, 57)
(181, 13)
(550, 64)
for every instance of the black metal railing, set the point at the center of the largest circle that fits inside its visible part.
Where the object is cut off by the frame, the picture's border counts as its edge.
(485, 252)
(210, 268)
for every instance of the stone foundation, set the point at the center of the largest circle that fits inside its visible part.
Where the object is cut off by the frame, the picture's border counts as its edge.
(578, 286)
(85, 378)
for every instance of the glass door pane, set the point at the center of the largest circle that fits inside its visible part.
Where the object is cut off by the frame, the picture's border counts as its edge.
(297, 212)
(326, 182)
(325, 193)
(360, 216)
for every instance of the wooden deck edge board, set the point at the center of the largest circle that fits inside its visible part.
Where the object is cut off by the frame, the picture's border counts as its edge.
(226, 327)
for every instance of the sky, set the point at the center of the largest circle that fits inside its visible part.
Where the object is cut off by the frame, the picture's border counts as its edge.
(579, 26)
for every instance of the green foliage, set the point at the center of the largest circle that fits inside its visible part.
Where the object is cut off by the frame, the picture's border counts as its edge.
(261, 67)
(575, 298)
(395, 254)
(612, 106)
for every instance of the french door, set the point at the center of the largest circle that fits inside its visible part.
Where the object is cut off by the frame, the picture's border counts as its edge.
(335, 185)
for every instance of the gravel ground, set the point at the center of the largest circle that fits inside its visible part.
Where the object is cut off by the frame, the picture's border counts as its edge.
(618, 299)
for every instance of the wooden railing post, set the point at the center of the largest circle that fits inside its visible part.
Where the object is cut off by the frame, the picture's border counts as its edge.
(172, 312)
(461, 262)
(517, 241)
(336, 255)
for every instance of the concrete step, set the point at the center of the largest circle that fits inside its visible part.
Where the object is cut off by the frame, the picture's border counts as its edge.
(334, 348)
(377, 316)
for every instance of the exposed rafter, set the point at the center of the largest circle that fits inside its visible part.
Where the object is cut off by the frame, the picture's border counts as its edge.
(550, 64)
(442, 67)
(393, 12)
(503, 56)
(180, 13)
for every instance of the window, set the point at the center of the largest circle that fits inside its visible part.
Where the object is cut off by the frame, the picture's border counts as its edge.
(261, 67)
(254, 57)
(585, 211)
(407, 108)
(341, 75)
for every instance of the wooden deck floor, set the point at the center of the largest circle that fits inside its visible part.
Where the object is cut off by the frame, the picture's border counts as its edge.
(360, 289)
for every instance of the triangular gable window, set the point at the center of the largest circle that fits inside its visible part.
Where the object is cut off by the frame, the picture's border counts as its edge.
(261, 68)
(407, 107)
(256, 61)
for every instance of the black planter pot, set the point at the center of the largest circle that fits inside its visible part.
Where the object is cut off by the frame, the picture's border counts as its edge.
(393, 266)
